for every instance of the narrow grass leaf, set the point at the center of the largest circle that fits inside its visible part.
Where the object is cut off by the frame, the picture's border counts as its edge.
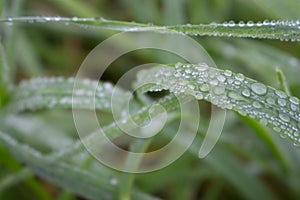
(280, 30)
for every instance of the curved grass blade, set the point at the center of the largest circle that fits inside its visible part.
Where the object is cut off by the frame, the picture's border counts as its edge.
(228, 90)
(281, 30)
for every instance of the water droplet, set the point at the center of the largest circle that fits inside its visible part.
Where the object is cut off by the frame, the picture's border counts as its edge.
(240, 77)
(259, 88)
(234, 95)
(263, 121)
(280, 94)
(221, 78)
(296, 144)
(294, 100)
(228, 73)
(202, 67)
(199, 95)
(270, 100)
(74, 19)
(231, 23)
(218, 90)
(281, 102)
(250, 23)
(241, 24)
(214, 82)
(113, 181)
(204, 87)
(256, 104)
(246, 92)
(266, 22)
(284, 117)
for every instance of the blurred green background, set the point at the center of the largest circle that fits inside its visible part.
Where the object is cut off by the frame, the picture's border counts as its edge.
(249, 162)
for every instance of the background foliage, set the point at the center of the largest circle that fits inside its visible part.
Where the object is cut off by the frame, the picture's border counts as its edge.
(249, 161)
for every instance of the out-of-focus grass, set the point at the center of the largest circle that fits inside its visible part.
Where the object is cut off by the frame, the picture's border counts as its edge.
(249, 161)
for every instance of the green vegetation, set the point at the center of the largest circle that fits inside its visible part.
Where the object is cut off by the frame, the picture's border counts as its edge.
(256, 157)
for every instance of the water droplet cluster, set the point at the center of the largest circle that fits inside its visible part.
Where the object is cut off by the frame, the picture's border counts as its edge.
(232, 91)
(288, 30)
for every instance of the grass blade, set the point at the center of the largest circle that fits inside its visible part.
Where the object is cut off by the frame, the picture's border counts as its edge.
(280, 30)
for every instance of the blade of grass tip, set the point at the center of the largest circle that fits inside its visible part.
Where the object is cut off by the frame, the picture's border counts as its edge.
(282, 81)
(15, 178)
(127, 179)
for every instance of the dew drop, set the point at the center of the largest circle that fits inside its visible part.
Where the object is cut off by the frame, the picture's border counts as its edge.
(259, 88)
(256, 104)
(270, 100)
(113, 181)
(296, 144)
(218, 90)
(228, 73)
(74, 19)
(284, 117)
(204, 87)
(240, 77)
(221, 78)
(263, 121)
(250, 23)
(294, 100)
(202, 67)
(280, 94)
(281, 102)
(241, 24)
(246, 92)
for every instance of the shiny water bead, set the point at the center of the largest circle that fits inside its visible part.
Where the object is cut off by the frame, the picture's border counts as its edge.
(271, 100)
(294, 100)
(228, 73)
(221, 78)
(246, 92)
(241, 24)
(204, 87)
(250, 23)
(281, 102)
(259, 88)
(280, 94)
(256, 104)
(263, 121)
(240, 77)
(218, 90)
(284, 117)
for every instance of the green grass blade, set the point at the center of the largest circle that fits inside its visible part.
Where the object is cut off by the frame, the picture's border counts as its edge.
(231, 91)
(280, 30)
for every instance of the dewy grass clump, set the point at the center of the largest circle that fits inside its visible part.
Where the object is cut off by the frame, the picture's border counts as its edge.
(38, 137)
